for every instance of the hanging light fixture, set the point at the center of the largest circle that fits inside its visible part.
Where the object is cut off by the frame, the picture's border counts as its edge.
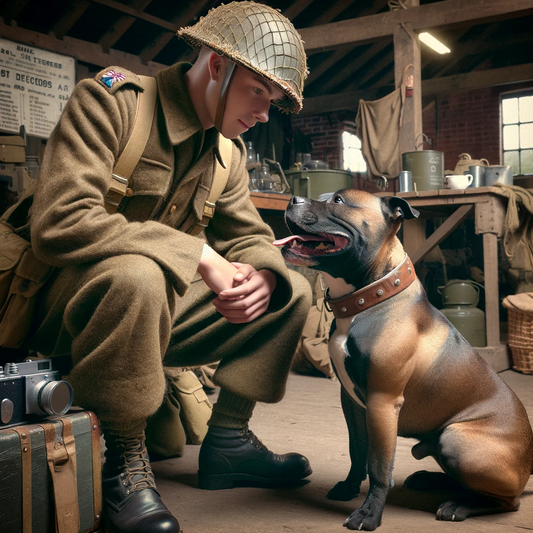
(433, 43)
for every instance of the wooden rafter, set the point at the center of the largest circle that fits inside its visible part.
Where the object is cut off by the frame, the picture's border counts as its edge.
(82, 50)
(459, 82)
(131, 11)
(123, 24)
(70, 17)
(11, 9)
(150, 51)
(445, 14)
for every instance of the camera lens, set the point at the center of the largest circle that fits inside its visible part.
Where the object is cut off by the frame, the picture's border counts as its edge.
(55, 397)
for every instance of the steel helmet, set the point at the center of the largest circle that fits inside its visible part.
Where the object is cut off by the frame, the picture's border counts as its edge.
(259, 38)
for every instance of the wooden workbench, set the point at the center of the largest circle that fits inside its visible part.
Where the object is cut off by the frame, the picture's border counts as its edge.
(486, 205)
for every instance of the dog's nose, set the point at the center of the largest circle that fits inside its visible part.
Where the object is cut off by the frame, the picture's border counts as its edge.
(299, 200)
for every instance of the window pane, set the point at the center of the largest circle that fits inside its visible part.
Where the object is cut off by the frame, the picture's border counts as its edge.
(526, 135)
(510, 138)
(351, 153)
(526, 109)
(526, 162)
(510, 110)
(512, 159)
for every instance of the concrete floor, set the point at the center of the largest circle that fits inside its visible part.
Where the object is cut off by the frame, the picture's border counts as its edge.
(309, 420)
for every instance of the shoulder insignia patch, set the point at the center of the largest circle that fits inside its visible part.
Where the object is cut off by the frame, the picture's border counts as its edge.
(114, 78)
(111, 77)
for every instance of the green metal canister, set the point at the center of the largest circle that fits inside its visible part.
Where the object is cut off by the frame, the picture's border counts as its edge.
(427, 167)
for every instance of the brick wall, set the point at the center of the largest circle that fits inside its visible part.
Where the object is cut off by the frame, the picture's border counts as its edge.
(456, 123)
(324, 131)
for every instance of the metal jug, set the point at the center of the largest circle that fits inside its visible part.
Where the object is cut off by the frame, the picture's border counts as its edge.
(460, 298)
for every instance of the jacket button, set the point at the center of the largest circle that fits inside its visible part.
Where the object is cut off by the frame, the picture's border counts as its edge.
(129, 192)
(173, 208)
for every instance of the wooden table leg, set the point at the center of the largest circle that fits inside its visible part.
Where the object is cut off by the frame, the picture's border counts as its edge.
(492, 304)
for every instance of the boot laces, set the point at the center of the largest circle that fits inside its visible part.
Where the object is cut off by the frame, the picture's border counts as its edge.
(248, 435)
(137, 472)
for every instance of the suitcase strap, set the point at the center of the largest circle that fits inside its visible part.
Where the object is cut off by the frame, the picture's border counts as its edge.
(61, 456)
(25, 453)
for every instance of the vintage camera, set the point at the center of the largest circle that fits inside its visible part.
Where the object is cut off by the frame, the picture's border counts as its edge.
(31, 388)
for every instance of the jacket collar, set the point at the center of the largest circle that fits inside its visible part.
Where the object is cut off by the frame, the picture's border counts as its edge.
(180, 116)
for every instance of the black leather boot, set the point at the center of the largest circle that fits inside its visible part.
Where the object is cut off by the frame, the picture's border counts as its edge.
(131, 501)
(230, 455)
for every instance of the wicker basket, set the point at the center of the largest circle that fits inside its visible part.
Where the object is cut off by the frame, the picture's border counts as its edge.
(521, 339)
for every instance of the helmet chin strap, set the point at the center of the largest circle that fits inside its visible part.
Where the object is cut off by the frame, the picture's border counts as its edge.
(230, 67)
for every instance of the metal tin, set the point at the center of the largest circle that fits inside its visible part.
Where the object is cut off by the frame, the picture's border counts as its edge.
(427, 167)
(405, 180)
(498, 174)
(478, 173)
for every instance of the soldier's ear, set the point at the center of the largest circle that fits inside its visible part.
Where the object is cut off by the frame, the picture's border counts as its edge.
(400, 207)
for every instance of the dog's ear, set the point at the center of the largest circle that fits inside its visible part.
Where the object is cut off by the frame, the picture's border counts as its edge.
(400, 207)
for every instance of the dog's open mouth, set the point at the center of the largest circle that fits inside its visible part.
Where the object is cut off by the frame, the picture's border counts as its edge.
(313, 245)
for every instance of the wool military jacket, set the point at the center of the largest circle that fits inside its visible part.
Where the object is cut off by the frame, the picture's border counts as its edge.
(69, 223)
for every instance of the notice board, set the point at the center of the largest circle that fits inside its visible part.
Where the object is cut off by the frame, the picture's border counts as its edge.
(34, 87)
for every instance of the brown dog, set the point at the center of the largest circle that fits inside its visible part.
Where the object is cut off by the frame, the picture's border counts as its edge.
(405, 370)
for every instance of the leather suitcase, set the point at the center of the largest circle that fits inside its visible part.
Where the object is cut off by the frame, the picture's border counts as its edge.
(50, 475)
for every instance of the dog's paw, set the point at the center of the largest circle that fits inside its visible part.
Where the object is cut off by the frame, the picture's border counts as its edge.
(343, 491)
(453, 511)
(363, 520)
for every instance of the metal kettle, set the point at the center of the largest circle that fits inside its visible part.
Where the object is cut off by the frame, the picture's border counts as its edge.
(460, 298)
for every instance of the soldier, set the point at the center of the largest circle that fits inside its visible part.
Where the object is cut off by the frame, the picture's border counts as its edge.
(135, 289)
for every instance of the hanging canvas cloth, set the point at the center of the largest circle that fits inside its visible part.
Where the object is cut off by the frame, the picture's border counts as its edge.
(378, 128)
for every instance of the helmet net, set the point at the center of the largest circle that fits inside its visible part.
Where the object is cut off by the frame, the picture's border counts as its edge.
(257, 37)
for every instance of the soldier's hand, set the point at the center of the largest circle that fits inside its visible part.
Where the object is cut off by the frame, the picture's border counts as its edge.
(250, 296)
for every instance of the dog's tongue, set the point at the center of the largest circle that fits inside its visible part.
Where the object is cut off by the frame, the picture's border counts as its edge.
(281, 242)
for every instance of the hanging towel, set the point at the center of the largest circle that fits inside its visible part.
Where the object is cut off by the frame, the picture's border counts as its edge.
(378, 128)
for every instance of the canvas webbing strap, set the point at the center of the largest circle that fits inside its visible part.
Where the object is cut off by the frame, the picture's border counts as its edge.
(25, 454)
(135, 146)
(220, 179)
(97, 469)
(61, 456)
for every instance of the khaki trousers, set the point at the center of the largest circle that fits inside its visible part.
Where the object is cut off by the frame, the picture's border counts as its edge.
(119, 320)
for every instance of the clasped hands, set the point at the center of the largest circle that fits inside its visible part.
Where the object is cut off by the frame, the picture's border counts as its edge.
(243, 293)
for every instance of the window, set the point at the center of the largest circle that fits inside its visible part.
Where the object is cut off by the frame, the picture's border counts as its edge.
(352, 157)
(517, 132)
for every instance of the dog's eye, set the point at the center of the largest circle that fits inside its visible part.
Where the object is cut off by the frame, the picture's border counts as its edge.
(337, 199)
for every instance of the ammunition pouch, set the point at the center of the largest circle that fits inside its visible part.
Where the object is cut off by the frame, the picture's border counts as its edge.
(21, 277)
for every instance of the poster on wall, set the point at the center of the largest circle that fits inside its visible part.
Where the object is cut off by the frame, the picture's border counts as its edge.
(34, 87)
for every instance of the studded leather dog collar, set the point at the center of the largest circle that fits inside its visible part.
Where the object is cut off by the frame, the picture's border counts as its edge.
(354, 303)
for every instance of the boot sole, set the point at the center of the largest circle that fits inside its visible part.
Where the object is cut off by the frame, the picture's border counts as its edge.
(227, 481)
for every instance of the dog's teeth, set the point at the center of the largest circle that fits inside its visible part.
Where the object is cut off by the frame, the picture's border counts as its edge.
(321, 246)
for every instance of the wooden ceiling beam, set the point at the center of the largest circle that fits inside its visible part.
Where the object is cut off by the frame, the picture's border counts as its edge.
(82, 50)
(123, 24)
(10, 9)
(459, 82)
(348, 69)
(296, 8)
(444, 14)
(71, 15)
(150, 51)
(131, 11)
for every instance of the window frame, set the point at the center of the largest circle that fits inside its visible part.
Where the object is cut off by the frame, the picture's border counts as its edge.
(519, 93)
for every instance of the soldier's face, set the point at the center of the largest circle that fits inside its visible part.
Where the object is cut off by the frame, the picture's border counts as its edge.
(248, 102)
